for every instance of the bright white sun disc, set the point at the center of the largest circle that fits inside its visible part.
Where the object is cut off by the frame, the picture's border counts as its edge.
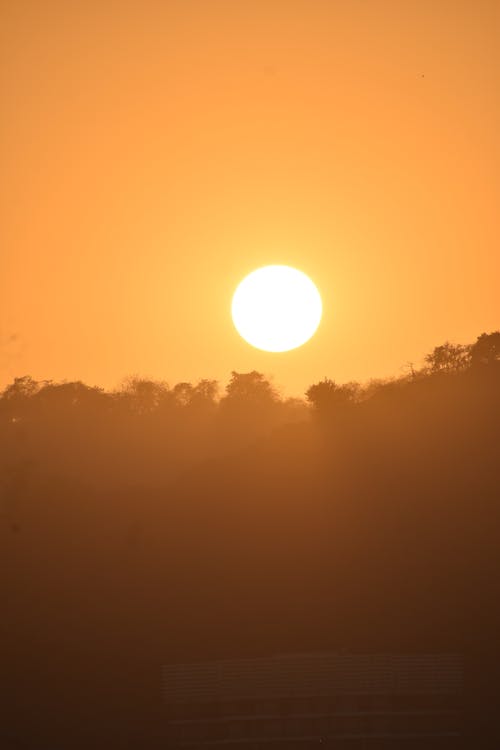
(276, 308)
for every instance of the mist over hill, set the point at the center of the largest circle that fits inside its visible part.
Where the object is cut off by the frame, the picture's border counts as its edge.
(158, 523)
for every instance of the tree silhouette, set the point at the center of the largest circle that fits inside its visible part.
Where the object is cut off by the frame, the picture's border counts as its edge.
(328, 398)
(142, 396)
(486, 349)
(251, 388)
(448, 358)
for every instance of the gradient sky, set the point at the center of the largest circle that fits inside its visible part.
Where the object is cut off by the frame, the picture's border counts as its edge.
(154, 153)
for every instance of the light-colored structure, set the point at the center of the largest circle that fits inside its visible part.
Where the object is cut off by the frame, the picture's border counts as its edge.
(316, 699)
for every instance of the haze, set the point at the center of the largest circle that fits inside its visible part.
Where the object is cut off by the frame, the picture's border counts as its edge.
(153, 154)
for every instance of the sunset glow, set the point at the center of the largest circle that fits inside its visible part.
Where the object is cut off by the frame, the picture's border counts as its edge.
(276, 308)
(250, 374)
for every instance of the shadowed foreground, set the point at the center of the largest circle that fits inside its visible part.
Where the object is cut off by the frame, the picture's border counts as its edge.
(158, 525)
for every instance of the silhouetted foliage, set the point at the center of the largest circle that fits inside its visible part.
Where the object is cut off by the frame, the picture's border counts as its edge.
(486, 350)
(141, 396)
(328, 398)
(448, 358)
(157, 523)
(250, 388)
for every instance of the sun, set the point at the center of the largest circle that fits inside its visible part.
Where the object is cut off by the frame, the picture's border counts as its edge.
(276, 308)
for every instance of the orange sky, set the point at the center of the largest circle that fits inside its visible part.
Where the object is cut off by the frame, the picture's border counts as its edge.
(153, 153)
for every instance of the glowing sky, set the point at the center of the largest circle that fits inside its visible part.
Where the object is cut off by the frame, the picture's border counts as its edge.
(154, 153)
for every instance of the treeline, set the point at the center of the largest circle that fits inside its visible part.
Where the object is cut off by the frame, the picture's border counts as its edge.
(140, 434)
(64, 423)
(157, 523)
